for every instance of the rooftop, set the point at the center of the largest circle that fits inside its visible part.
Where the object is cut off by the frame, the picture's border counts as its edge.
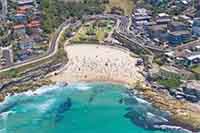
(176, 23)
(158, 27)
(194, 56)
(19, 26)
(24, 1)
(178, 33)
(163, 15)
(193, 84)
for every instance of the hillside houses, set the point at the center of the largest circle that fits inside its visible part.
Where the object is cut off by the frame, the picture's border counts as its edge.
(164, 28)
(26, 28)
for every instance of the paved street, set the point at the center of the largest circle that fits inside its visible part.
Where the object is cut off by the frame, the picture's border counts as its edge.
(122, 29)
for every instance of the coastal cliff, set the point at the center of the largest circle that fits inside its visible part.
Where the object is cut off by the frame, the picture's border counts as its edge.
(2, 97)
(182, 113)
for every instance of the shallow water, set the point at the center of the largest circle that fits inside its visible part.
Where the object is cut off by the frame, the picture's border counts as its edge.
(81, 108)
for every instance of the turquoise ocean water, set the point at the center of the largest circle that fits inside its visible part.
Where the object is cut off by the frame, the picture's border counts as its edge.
(81, 108)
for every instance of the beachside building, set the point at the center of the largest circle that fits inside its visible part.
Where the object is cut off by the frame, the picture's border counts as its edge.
(196, 27)
(193, 59)
(140, 18)
(177, 26)
(19, 29)
(23, 9)
(192, 88)
(34, 24)
(189, 59)
(174, 72)
(25, 2)
(190, 12)
(20, 18)
(26, 43)
(156, 2)
(178, 37)
(163, 18)
(157, 32)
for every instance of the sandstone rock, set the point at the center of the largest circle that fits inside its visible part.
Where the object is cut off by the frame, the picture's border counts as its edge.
(2, 97)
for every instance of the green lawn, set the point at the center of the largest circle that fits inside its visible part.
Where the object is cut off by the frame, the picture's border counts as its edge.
(94, 31)
(170, 83)
(196, 69)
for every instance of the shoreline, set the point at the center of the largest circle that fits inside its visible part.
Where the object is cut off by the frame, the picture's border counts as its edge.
(153, 97)
(130, 90)
(79, 69)
(98, 63)
(183, 113)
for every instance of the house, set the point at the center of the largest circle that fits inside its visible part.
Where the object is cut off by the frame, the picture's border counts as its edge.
(196, 27)
(163, 18)
(140, 18)
(23, 9)
(25, 2)
(190, 12)
(6, 58)
(178, 37)
(192, 88)
(24, 55)
(157, 32)
(34, 24)
(177, 26)
(19, 29)
(174, 72)
(193, 59)
(20, 18)
(26, 43)
(155, 2)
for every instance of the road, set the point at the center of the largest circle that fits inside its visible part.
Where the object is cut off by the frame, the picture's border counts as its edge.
(53, 46)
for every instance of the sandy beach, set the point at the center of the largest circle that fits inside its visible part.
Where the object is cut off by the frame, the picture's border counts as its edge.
(98, 63)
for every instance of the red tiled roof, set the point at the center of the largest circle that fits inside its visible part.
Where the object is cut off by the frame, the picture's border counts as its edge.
(23, 8)
(21, 12)
(33, 25)
(20, 26)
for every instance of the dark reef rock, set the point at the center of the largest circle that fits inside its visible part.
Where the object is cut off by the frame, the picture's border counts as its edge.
(65, 106)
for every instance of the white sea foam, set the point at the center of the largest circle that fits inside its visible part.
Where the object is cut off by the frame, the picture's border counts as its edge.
(43, 107)
(150, 114)
(173, 128)
(80, 86)
(16, 97)
(4, 115)
(40, 91)
(45, 89)
(140, 100)
(3, 130)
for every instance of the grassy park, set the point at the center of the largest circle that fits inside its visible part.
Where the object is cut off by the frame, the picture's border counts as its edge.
(94, 31)
(196, 69)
